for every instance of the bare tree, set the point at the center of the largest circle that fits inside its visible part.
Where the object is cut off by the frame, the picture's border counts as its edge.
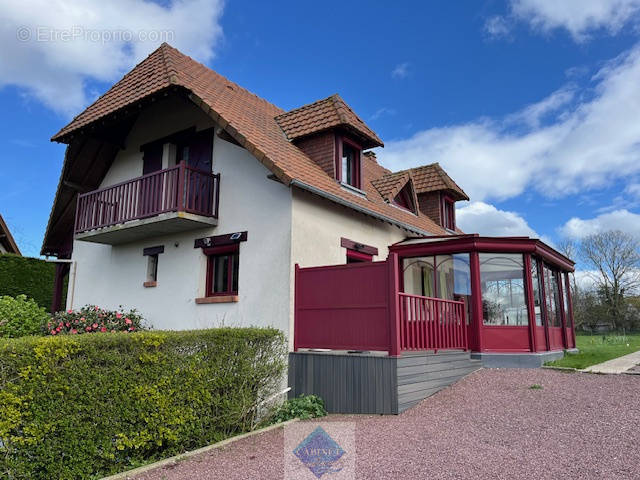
(614, 257)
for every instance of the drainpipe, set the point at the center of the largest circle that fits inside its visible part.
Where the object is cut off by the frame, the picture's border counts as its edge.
(71, 286)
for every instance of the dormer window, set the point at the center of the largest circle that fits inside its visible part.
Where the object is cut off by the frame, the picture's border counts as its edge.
(404, 198)
(448, 213)
(348, 170)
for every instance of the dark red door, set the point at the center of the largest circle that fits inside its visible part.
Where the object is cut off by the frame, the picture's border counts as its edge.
(196, 153)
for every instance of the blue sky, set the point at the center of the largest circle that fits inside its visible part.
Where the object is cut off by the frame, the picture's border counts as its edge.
(529, 104)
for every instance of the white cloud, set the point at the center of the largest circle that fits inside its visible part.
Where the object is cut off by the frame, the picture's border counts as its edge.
(485, 219)
(566, 147)
(400, 71)
(382, 112)
(534, 114)
(578, 17)
(50, 48)
(624, 220)
(497, 27)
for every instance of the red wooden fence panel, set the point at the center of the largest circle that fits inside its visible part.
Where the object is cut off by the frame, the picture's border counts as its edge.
(343, 307)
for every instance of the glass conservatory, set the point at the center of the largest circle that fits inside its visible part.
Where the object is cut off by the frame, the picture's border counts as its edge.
(515, 290)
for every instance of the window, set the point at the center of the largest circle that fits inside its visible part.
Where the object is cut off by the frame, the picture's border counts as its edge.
(348, 163)
(152, 268)
(354, 256)
(552, 296)
(442, 276)
(222, 270)
(448, 213)
(153, 255)
(503, 292)
(404, 198)
(537, 297)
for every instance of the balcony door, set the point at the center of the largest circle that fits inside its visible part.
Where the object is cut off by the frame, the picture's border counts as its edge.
(196, 152)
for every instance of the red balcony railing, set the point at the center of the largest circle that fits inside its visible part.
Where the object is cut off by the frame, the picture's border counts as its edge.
(431, 323)
(176, 189)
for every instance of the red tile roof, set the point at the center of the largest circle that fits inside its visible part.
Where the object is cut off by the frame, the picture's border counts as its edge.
(390, 184)
(429, 178)
(325, 114)
(251, 121)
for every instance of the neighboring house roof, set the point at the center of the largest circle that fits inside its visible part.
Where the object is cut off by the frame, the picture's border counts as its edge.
(6, 239)
(250, 120)
(429, 178)
(325, 114)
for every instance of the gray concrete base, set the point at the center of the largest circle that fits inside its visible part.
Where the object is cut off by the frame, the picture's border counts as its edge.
(518, 360)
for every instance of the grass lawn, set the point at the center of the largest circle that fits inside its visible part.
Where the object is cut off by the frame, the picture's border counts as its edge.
(598, 348)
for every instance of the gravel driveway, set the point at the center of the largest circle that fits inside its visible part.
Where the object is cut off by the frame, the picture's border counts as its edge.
(489, 425)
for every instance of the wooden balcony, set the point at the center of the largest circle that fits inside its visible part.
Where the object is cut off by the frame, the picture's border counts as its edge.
(172, 200)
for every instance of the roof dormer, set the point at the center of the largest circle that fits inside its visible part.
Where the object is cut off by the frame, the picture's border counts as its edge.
(332, 135)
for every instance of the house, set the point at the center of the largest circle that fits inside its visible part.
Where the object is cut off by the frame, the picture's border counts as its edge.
(188, 197)
(7, 243)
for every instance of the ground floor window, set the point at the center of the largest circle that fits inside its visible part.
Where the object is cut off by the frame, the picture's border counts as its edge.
(503, 289)
(354, 256)
(222, 270)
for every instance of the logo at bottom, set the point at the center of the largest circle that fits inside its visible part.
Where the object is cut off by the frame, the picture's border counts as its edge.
(319, 452)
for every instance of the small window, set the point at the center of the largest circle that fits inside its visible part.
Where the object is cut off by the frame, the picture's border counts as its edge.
(152, 268)
(348, 166)
(354, 256)
(222, 271)
(404, 198)
(448, 214)
(152, 254)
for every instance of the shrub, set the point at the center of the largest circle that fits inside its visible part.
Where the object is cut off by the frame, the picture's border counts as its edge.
(302, 407)
(21, 316)
(32, 277)
(93, 319)
(76, 407)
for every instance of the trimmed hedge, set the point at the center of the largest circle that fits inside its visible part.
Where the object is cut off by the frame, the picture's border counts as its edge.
(85, 406)
(21, 316)
(28, 276)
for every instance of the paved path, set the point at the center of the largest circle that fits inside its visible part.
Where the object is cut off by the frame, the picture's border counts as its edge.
(489, 425)
(616, 365)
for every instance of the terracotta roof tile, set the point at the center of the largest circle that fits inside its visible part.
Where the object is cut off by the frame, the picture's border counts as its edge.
(252, 122)
(324, 114)
(429, 178)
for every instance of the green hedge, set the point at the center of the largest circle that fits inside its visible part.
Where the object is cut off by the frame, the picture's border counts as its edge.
(21, 316)
(85, 406)
(27, 276)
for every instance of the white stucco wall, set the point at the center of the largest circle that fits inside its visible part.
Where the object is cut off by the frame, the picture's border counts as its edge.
(112, 276)
(318, 225)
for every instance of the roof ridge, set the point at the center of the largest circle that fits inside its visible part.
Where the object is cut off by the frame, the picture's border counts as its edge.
(305, 106)
(210, 70)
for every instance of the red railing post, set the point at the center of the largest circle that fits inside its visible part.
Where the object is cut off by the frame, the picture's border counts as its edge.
(217, 196)
(181, 191)
(394, 304)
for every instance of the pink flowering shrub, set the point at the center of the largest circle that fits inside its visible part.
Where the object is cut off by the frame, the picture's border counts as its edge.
(93, 319)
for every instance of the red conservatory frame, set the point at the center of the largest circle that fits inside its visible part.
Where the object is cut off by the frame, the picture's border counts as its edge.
(363, 306)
